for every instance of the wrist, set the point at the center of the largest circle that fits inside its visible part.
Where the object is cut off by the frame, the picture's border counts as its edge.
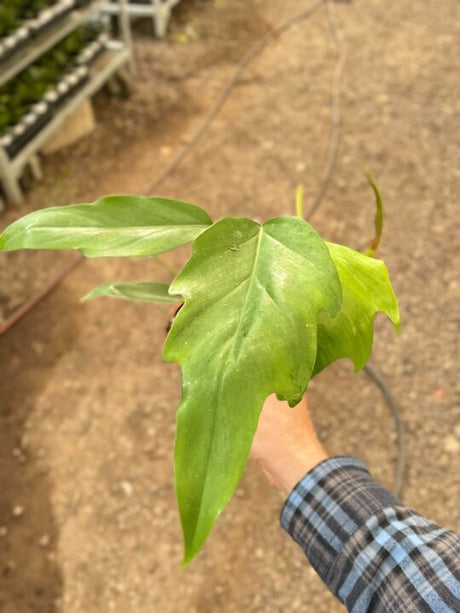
(285, 471)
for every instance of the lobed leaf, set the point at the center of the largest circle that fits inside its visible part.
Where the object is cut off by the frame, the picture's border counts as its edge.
(247, 329)
(366, 290)
(111, 226)
(144, 291)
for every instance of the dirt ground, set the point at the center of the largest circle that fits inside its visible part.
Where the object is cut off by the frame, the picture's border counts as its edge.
(88, 521)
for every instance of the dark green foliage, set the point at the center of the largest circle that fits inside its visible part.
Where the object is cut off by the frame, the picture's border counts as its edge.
(14, 12)
(29, 87)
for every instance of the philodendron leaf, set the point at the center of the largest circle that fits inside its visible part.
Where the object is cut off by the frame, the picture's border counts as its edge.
(145, 291)
(247, 329)
(111, 226)
(366, 290)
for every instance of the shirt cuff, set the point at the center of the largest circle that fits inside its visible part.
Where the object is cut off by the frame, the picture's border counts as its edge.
(328, 505)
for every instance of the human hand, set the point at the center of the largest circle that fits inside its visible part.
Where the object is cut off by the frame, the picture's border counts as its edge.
(285, 445)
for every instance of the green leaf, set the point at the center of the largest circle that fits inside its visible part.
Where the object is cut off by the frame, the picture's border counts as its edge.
(145, 291)
(111, 226)
(366, 290)
(247, 329)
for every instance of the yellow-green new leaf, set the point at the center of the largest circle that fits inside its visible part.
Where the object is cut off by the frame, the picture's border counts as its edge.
(247, 329)
(366, 290)
(111, 226)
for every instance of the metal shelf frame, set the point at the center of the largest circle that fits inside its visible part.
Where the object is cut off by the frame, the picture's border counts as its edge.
(158, 10)
(117, 55)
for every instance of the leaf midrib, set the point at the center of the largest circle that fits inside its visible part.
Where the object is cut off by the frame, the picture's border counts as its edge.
(112, 228)
(251, 280)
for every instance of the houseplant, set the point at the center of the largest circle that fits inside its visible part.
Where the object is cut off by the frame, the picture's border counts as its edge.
(265, 308)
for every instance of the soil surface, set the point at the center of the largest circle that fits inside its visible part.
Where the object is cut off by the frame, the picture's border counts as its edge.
(88, 520)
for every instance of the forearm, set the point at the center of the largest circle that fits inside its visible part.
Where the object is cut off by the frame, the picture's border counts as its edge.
(372, 552)
(292, 466)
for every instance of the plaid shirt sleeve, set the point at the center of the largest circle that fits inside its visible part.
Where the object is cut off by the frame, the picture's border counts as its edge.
(373, 553)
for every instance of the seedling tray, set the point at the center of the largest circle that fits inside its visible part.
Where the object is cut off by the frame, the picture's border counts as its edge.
(19, 140)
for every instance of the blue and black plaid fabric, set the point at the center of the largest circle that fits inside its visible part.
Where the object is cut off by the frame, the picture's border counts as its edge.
(374, 554)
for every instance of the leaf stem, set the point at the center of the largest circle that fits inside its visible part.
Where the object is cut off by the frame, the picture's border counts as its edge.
(166, 265)
(299, 201)
(378, 220)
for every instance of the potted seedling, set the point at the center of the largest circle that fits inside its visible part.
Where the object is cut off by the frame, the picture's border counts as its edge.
(266, 307)
(28, 101)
